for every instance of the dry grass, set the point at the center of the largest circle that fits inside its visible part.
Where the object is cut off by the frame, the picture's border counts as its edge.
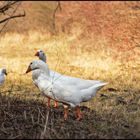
(113, 113)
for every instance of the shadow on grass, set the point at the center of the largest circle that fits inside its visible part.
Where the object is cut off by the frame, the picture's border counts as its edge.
(20, 119)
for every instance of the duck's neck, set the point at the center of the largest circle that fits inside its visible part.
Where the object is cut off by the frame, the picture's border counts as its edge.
(35, 74)
(1, 73)
(42, 57)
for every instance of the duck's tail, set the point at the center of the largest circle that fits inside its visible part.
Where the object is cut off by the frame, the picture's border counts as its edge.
(98, 86)
(90, 92)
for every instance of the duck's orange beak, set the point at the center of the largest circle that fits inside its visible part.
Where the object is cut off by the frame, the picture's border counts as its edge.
(37, 54)
(28, 70)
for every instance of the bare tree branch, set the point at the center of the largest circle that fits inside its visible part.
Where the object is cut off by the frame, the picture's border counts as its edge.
(6, 20)
(15, 16)
(59, 5)
(7, 6)
(54, 14)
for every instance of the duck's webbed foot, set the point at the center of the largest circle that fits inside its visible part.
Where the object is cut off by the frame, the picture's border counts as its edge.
(78, 113)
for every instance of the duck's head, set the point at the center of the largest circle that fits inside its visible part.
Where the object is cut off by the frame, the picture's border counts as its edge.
(41, 55)
(38, 65)
(3, 71)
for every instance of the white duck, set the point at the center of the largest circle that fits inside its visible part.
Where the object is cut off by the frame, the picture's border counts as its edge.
(2, 75)
(80, 83)
(59, 91)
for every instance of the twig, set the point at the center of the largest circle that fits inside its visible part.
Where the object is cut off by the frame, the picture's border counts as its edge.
(45, 126)
(15, 16)
(32, 117)
(7, 6)
(40, 113)
(10, 18)
(54, 14)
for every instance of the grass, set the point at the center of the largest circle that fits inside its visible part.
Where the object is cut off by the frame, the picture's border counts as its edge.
(113, 113)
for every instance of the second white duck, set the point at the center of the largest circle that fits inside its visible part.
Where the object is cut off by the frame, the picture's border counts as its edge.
(73, 81)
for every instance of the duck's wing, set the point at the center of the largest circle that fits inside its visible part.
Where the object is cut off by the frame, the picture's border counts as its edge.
(73, 82)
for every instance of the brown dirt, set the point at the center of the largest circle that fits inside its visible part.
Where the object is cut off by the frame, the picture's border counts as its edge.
(21, 119)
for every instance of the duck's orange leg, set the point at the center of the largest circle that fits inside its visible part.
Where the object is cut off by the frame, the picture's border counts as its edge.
(65, 112)
(78, 113)
(55, 104)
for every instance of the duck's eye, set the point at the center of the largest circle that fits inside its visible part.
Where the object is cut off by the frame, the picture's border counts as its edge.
(31, 63)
